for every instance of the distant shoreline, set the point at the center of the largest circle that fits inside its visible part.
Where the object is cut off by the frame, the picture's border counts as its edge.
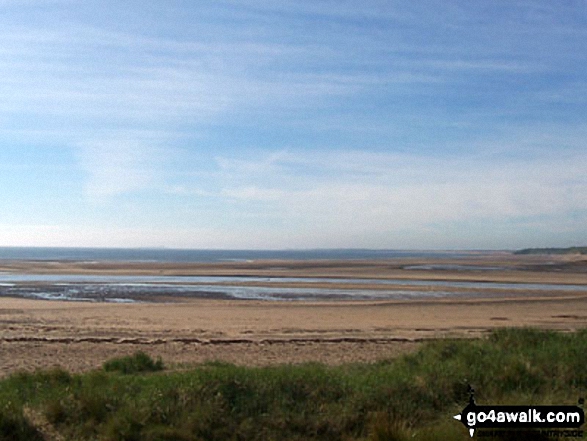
(82, 335)
(569, 250)
(480, 275)
(147, 255)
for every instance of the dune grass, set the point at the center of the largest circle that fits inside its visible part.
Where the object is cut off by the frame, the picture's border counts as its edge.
(137, 363)
(409, 398)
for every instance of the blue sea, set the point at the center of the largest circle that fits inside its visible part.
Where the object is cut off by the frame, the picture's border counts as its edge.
(145, 288)
(185, 255)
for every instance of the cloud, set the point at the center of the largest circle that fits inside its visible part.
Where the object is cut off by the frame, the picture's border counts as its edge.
(349, 199)
(354, 192)
(252, 193)
(40, 235)
(284, 95)
(119, 166)
(92, 73)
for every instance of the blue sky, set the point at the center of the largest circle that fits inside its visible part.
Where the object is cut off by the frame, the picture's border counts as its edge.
(293, 124)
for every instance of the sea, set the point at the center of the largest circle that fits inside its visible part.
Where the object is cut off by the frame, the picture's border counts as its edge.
(211, 255)
(148, 288)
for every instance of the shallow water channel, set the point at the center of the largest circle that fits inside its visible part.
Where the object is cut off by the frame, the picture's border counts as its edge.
(116, 288)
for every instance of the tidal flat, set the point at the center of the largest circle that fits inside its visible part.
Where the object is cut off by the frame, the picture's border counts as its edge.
(381, 307)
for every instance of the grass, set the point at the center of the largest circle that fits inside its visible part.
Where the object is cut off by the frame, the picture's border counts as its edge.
(137, 363)
(409, 398)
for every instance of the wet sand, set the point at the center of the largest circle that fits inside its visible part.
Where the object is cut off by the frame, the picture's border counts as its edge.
(559, 269)
(81, 335)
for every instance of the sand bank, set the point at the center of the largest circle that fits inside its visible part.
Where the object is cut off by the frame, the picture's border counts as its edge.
(81, 335)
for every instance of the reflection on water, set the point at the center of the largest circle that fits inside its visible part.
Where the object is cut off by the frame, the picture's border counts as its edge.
(122, 289)
(132, 293)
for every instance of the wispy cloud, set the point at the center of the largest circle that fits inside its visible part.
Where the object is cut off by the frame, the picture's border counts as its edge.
(119, 166)
(302, 119)
(353, 192)
(50, 235)
(94, 72)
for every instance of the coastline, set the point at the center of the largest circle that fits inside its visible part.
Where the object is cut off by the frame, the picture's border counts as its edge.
(82, 335)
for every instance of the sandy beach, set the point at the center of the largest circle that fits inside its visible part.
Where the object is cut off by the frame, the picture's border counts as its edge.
(82, 335)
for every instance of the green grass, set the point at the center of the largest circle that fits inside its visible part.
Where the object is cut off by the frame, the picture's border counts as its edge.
(409, 398)
(139, 362)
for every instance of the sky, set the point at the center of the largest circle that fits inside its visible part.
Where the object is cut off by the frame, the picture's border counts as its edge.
(293, 124)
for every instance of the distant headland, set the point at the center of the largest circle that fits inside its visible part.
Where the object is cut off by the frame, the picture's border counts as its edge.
(569, 250)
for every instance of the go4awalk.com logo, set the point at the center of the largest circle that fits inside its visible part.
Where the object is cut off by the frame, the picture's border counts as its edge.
(520, 417)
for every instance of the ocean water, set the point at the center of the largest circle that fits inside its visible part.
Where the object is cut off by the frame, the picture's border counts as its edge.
(111, 288)
(184, 255)
(116, 288)
(196, 282)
